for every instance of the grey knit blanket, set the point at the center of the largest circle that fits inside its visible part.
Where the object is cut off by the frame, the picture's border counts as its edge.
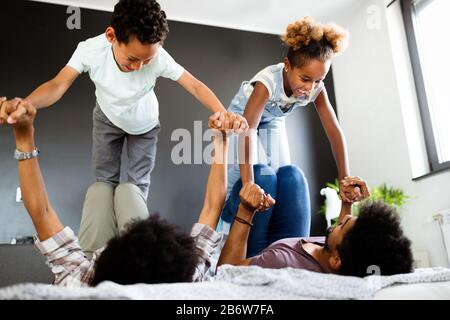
(235, 283)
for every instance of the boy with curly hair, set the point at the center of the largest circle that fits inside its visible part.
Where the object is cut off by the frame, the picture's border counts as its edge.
(124, 64)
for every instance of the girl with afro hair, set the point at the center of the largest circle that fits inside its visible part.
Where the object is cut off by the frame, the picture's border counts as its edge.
(272, 94)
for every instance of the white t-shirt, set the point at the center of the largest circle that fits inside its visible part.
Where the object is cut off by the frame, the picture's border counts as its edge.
(271, 77)
(126, 98)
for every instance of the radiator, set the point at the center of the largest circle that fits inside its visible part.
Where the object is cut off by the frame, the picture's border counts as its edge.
(443, 218)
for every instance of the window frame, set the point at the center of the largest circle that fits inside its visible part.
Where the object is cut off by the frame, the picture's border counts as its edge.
(408, 13)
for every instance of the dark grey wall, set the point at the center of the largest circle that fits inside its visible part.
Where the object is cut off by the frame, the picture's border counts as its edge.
(24, 263)
(36, 44)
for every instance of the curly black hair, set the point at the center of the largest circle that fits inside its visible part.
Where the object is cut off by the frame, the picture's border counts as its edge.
(320, 50)
(148, 251)
(307, 40)
(143, 19)
(377, 240)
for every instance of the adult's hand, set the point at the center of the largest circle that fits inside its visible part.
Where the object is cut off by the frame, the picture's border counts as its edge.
(12, 111)
(228, 121)
(253, 197)
(354, 188)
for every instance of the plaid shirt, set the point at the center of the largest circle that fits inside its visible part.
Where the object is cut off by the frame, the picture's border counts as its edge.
(72, 269)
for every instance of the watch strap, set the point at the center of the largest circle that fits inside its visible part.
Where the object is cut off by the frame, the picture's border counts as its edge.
(22, 155)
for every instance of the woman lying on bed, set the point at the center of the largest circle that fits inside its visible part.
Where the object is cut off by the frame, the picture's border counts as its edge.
(279, 237)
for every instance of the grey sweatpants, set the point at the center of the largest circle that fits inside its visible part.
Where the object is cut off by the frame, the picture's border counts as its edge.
(106, 212)
(107, 145)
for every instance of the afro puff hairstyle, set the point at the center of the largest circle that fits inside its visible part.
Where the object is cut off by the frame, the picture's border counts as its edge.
(307, 40)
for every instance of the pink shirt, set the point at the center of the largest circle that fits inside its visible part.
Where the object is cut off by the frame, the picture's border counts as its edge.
(289, 252)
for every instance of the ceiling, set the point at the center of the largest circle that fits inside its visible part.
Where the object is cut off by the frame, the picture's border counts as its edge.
(267, 16)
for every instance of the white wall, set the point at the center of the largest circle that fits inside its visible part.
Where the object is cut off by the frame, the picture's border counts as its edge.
(369, 107)
(266, 16)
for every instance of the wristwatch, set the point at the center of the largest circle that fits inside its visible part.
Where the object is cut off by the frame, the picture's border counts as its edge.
(20, 155)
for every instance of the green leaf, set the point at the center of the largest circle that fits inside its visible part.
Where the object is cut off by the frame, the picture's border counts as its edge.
(390, 195)
(334, 186)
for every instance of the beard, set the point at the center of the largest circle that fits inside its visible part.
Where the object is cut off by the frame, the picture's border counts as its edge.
(326, 247)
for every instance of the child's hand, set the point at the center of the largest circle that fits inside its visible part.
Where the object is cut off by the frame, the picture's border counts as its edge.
(2, 101)
(254, 199)
(6, 108)
(20, 115)
(268, 202)
(228, 121)
(215, 120)
(235, 122)
(251, 196)
(14, 110)
(352, 189)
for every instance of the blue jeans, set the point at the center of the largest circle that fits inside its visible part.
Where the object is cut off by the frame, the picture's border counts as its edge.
(271, 148)
(291, 215)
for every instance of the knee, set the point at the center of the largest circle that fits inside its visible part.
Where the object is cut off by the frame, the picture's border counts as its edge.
(292, 175)
(100, 188)
(263, 170)
(127, 188)
(98, 201)
(264, 175)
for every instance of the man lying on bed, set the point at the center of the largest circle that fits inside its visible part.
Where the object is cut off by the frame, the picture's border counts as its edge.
(357, 246)
(149, 251)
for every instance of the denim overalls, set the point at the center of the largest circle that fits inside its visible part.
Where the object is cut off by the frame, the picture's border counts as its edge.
(272, 143)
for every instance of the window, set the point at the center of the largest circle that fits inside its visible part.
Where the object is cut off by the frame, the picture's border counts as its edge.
(428, 41)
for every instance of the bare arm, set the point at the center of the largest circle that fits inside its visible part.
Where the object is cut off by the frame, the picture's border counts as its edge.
(234, 251)
(253, 111)
(357, 189)
(44, 96)
(252, 199)
(216, 187)
(51, 91)
(201, 92)
(333, 132)
(32, 184)
(346, 209)
(335, 136)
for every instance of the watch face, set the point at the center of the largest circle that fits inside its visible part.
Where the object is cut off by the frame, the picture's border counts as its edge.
(17, 155)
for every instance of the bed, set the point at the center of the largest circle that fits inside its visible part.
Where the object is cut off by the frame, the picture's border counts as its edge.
(255, 283)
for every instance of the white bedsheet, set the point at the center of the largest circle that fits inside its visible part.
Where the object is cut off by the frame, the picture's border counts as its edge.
(249, 283)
